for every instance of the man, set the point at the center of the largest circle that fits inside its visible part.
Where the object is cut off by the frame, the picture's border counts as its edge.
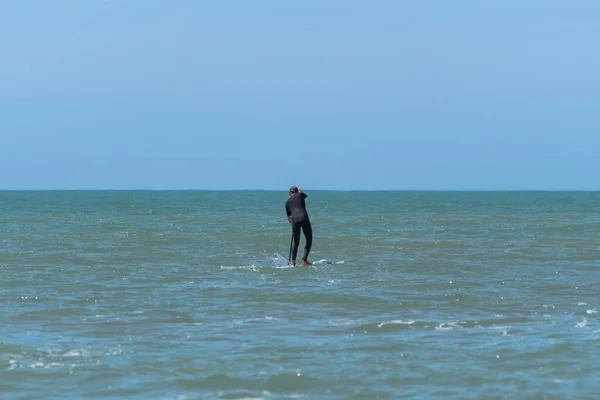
(295, 208)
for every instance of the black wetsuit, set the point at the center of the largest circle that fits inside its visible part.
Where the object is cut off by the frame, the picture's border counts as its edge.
(296, 208)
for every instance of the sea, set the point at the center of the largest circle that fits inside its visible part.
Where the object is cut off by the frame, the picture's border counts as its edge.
(189, 295)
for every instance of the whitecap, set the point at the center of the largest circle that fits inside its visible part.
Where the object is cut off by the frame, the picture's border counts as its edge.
(582, 324)
(261, 319)
(13, 364)
(343, 322)
(76, 353)
(53, 364)
(450, 325)
(396, 322)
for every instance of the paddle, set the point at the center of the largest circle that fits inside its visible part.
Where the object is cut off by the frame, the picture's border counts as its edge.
(290, 256)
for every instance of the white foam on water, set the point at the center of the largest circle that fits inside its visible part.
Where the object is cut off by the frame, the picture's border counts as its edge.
(448, 326)
(503, 328)
(114, 352)
(344, 322)
(282, 266)
(326, 261)
(582, 304)
(279, 260)
(582, 324)
(266, 318)
(281, 395)
(178, 397)
(592, 311)
(76, 353)
(48, 359)
(13, 364)
(253, 267)
(265, 395)
(396, 322)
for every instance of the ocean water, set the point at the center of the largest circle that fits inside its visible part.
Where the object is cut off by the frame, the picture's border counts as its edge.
(187, 295)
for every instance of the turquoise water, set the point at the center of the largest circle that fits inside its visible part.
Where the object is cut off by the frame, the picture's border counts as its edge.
(187, 295)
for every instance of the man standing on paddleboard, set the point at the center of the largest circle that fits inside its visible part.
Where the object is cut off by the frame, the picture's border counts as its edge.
(295, 209)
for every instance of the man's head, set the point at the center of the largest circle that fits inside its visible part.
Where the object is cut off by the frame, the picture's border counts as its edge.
(293, 190)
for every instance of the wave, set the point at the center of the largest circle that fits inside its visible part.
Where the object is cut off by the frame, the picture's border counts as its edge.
(22, 358)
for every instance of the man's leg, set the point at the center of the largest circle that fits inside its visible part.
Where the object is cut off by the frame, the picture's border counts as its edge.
(295, 241)
(307, 230)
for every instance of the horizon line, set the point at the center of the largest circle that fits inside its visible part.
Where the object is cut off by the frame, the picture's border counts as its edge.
(307, 190)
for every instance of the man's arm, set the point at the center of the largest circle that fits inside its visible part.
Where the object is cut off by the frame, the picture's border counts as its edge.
(304, 195)
(288, 213)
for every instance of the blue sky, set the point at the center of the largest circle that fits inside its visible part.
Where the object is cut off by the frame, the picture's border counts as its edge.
(193, 94)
